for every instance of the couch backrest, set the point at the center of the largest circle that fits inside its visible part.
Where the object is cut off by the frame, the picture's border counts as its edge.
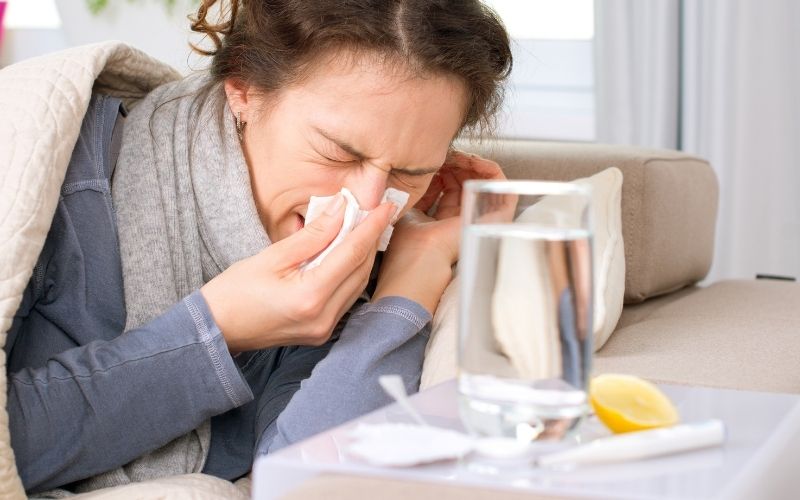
(669, 203)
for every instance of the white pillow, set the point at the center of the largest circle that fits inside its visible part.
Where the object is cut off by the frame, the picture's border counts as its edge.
(609, 282)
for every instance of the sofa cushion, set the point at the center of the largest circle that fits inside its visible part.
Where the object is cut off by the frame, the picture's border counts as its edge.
(734, 334)
(669, 204)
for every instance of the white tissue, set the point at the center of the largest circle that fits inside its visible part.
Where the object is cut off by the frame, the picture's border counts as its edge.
(404, 445)
(353, 215)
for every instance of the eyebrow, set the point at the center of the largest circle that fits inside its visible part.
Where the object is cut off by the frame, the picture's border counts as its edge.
(361, 156)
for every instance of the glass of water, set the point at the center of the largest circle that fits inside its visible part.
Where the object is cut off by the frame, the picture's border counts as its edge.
(525, 308)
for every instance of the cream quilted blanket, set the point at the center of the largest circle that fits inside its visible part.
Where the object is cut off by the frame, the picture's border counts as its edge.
(42, 103)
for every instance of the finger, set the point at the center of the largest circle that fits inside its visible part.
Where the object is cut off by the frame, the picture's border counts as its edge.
(351, 288)
(462, 171)
(459, 159)
(462, 175)
(483, 168)
(498, 208)
(354, 249)
(313, 238)
(450, 202)
(431, 195)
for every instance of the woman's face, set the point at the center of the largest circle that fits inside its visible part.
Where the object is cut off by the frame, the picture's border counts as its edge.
(361, 125)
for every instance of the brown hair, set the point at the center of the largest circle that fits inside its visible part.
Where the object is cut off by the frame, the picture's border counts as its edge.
(270, 43)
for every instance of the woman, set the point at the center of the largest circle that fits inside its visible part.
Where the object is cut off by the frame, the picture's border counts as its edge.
(230, 347)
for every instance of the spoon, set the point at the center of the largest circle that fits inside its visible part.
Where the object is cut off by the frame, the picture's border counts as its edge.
(394, 387)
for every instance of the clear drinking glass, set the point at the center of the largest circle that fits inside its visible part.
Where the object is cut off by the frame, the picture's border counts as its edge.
(525, 308)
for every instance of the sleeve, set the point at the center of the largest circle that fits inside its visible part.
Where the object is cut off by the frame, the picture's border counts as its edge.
(97, 407)
(385, 337)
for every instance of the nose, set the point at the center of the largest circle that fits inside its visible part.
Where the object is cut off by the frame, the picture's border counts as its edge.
(368, 186)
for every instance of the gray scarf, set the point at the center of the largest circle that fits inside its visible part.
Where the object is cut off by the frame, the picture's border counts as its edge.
(185, 213)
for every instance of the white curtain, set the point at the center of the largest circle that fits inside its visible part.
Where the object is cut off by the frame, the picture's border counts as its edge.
(738, 105)
(636, 72)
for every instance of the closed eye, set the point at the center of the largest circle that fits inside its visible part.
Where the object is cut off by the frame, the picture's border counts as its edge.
(409, 178)
(337, 156)
(334, 160)
(404, 178)
(414, 173)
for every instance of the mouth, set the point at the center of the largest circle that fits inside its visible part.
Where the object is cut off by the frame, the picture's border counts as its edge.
(300, 223)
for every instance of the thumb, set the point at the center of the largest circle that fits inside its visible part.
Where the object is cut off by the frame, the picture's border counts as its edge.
(315, 235)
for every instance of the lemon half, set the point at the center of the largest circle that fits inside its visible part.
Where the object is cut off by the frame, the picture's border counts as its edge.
(625, 403)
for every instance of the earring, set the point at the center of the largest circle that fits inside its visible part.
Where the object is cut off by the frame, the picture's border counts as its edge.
(240, 126)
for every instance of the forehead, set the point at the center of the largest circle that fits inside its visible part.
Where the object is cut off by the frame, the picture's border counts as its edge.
(381, 107)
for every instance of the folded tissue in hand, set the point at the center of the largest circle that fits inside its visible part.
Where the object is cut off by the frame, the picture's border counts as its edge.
(353, 216)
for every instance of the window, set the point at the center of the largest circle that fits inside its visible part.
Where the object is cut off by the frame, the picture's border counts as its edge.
(550, 94)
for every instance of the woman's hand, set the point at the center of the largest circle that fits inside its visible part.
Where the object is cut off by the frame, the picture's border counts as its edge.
(266, 300)
(425, 243)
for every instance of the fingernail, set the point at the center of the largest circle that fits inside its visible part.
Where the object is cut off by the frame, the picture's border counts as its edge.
(394, 212)
(335, 204)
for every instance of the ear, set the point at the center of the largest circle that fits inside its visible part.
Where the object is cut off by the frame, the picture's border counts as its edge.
(239, 97)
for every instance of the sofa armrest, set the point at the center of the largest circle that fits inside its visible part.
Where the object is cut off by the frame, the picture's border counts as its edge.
(669, 203)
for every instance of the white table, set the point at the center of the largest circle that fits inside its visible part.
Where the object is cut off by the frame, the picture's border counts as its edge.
(760, 458)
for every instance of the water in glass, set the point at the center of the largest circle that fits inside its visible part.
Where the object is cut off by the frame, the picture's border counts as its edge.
(525, 329)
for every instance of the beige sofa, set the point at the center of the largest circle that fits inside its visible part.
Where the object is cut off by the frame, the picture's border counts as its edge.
(729, 334)
(736, 334)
